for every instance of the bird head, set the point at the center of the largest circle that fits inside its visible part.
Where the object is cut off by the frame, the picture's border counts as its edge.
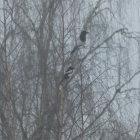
(84, 32)
(83, 36)
(71, 68)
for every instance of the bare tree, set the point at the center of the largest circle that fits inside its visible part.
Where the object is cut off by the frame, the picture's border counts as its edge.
(36, 102)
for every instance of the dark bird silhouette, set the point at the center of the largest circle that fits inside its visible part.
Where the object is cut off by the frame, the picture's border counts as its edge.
(80, 42)
(68, 72)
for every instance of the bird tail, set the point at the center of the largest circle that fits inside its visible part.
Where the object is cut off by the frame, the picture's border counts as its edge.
(74, 49)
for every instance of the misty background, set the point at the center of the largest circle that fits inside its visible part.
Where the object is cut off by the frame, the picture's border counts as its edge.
(100, 101)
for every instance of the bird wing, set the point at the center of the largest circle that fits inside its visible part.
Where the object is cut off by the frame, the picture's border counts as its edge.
(68, 71)
(79, 43)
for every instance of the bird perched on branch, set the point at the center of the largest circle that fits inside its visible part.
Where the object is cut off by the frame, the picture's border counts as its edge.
(80, 42)
(68, 72)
